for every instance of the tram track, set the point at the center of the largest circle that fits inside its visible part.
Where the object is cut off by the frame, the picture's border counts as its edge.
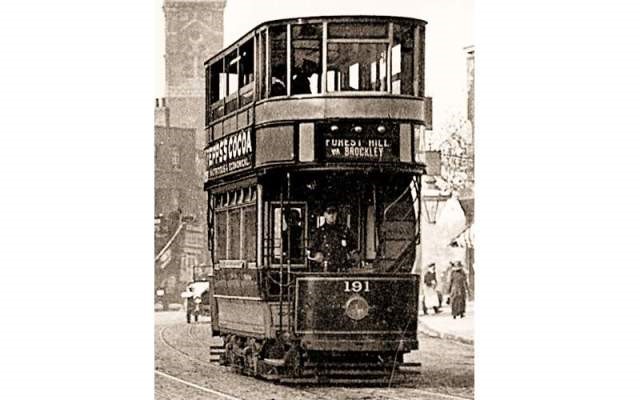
(316, 393)
(442, 395)
(199, 387)
(176, 349)
(408, 394)
(210, 366)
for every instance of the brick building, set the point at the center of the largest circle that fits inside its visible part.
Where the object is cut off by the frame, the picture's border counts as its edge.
(193, 33)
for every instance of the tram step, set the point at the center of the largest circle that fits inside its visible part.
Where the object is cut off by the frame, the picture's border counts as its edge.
(298, 380)
(411, 364)
(351, 372)
(274, 362)
(355, 381)
(409, 371)
(361, 365)
(341, 381)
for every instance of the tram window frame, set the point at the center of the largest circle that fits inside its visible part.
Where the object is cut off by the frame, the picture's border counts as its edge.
(306, 60)
(249, 232)
(275, 234)
(281, 68)
(261, 64)
(402, 80)
(346, 38)
(232, 73)
(218, 91)
(220, 238)
(342, 80)
(227, 245)
(246, 74)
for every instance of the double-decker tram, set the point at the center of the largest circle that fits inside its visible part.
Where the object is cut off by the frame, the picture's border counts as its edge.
(306, 118)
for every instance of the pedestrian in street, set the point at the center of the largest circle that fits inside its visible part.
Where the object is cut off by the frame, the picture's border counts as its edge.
(431, 298)
(333, 245)
(458, 289)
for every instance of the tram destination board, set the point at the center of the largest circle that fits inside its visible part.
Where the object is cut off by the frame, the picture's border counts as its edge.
(232, 153)
(360, 142)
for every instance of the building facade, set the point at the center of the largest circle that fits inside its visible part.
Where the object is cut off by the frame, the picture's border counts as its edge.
(180, 241)
(193, 33)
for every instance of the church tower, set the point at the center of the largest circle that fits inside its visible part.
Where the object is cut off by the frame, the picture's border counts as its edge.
(194, 32)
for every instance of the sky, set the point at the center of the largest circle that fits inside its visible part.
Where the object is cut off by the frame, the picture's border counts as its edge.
(449, 30)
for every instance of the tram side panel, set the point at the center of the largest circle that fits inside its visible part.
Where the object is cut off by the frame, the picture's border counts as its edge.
(238, 307)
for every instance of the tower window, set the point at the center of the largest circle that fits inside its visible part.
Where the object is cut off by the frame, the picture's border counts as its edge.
(175, 158)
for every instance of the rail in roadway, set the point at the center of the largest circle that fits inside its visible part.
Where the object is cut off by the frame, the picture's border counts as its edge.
(380, 393)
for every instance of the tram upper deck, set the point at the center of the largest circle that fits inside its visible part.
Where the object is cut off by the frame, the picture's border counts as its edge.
(317, 91)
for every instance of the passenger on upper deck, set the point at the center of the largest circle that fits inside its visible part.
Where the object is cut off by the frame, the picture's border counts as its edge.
(278, 77)
(301, 80)
(333, 245)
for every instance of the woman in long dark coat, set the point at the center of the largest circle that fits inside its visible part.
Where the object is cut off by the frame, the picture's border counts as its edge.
(458, 289)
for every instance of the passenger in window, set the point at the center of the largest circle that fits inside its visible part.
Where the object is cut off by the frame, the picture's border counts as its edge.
(292, 236)
(278, 76)
(333, 246)
(301, 80)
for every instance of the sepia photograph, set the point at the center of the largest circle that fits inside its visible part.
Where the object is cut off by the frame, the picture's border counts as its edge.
(286, 200)
(314, 200)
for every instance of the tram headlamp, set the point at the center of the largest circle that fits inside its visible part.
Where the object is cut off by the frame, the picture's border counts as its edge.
(381, 129)
(334, 128)
(356, 308)
(357, 129)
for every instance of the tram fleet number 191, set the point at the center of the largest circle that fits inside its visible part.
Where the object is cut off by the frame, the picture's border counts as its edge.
(356, 286)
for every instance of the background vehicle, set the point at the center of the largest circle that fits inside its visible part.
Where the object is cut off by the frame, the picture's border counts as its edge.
(278, 150)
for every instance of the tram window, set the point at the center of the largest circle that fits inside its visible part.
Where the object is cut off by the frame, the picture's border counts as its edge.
(249, 234)
(261, 72)
(288, 233)
(234, 238)
(217, 91)
(221, 236)
(356, 66)
(402, 59)
(246, 75)
(246, 63)
(306, 58)
(231, 64)
(278, 60)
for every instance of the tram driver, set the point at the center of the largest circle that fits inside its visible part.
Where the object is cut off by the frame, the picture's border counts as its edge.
(333, 245)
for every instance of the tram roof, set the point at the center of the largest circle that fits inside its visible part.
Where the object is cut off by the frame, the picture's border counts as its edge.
(355, 17)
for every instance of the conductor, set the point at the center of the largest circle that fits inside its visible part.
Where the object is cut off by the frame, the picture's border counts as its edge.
(333, 245)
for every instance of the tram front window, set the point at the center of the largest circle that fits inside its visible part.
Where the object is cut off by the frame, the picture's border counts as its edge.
(356, 67)
(402, 57)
